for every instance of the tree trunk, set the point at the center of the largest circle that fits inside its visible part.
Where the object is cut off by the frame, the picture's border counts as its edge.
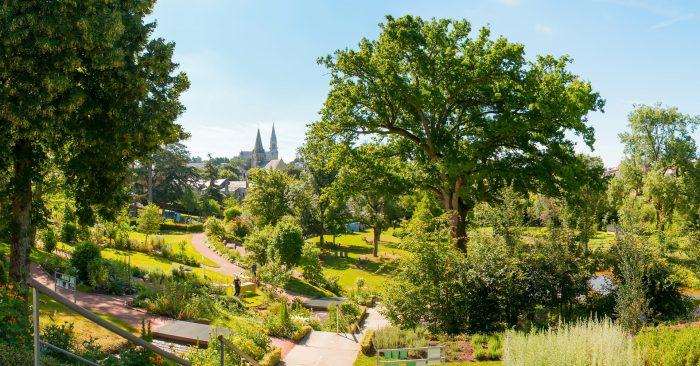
(377, 231)
(150, 183)
(21, 232)
(457, 211)
(322, 229)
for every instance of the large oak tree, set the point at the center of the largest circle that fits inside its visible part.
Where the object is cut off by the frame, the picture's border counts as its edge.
(471, 112)
(83, 89)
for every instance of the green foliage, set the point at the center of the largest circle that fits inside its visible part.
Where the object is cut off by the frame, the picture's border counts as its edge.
(15, 317)
(61, 336)
(134, 356)
(246, 334)
(669, 347)
(632, 306)
(287, 242)
(588, 342)
(450, 101)
(506, 218)
(267, 198)
(92, 92)
(49, 238)
(281, 325)
(82, 255)
(98, 273)
(492, 287)
(214, 228)
(275, 273)
(69, 232)
(395, 337)
(237, 228)
(367, 343)
(487, 347)
(149, 220)
(342, 316)
(271, 358)
(232, 212)
(311, 263)
(180, 296)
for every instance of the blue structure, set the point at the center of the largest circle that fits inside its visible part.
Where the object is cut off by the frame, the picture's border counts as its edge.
(175, 216)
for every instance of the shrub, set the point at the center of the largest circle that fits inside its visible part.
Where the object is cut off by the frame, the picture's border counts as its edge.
(487, 347)
(98, 273)
(287, 242)
(367, 344)
(215, 229)
(49, 238)
(82, 254)
(69, 232)
(237, 228)
(669, 347)
(15, 317)
(232, 212)
(311, 264)
(271, 358)
(196, 227)
(300, 333)
(588, 342)
(14, 356)
(134, 356)
(173, 226)
(395, 337)
(61, 336)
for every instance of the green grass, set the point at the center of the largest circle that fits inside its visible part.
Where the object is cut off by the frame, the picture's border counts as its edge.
(174, 241)
(349, 269)
(51, 312)
(155, 263)
(302, 287)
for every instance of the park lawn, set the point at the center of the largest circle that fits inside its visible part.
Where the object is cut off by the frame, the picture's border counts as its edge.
(174, 241)
(364, 360)
(348, 270)
(51, 312)
(300, 286)
(153, 263)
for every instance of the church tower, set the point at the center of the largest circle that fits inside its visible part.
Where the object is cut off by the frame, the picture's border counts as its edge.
(258, 156)
(273, 145)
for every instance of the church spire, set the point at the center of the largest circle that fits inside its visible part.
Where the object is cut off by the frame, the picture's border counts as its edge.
(258, 143)
(273, 142)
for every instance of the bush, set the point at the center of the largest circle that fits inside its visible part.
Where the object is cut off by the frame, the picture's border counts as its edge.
(196, 227)
(14, 356)
(345, 319)
(395, 337)
(61, 336)
(49, 238)
(367, 344)
(98, 273)
(237, 228)
(215, 229)
(173, 226)
(82, 255)
(669, 347)
(300, 333)
(232, 212)
(271, 358)
(15, 317)
(487, 347)
(69, 232)
(311, 264)
(589, 342)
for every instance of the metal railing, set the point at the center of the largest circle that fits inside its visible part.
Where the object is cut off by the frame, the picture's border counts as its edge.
(40, 288)
(224, 343)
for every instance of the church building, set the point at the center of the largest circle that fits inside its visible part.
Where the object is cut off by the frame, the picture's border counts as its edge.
(258, 157)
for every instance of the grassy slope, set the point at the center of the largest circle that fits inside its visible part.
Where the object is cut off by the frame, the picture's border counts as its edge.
(174, 241)
(349, 269)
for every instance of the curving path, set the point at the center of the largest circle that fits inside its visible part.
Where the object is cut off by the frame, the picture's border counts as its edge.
(115, 306)
(199, 241)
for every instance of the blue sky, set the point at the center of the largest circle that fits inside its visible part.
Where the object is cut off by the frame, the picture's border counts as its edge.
(252, 63)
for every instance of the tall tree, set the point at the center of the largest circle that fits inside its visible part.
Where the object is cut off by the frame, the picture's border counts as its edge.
(268, 196)
(375, 181)
(471, 113)
(85, 89)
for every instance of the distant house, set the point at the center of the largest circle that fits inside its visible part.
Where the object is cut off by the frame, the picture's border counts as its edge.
(228, 188)
(276, 164)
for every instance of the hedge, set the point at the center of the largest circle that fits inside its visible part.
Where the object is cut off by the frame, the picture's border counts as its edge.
(301, 333)
(173, 226)
(271, 358)
(367, 344)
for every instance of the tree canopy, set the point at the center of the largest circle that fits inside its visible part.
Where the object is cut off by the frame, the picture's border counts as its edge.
(86, 89)
(470, 112)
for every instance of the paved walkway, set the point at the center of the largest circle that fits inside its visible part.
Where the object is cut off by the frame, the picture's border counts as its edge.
(199, 241)
(111, 305)
(332, 349)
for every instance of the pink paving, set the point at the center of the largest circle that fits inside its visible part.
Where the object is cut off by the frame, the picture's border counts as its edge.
(115, 306)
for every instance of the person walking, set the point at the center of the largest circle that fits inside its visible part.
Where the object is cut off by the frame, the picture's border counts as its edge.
(254, 269)
(237, 286)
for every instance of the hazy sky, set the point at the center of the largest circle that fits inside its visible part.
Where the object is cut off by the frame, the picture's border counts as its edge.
(252, 63)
